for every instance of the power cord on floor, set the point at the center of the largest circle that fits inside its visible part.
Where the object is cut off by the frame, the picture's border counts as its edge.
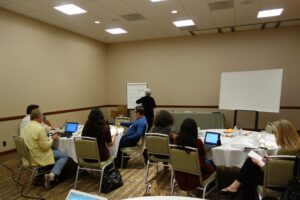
(40, 197)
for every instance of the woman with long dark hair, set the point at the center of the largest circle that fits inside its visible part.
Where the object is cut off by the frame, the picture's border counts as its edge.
(188, 136)
(98, 128)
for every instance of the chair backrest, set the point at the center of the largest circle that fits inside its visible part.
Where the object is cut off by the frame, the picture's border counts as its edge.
(185, 159)
(118, 120)
(157, 144)
(86, 148)
(278, 171)
(269, 128)
(141, 142)
(22, 151)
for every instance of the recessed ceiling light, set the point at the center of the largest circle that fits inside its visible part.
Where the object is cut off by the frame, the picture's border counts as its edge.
(97, 22)
(116, 31)
(174, 11)
(183, 23)
(157, 0)
(70, 9)
(269, 13)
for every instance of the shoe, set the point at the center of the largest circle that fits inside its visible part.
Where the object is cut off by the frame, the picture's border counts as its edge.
(47, 182)
(232, 194)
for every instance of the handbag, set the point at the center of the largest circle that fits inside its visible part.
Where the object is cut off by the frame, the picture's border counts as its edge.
(112, 180)
(293, 190)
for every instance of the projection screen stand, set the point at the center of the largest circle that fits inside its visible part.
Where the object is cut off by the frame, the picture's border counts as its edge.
(256, 118)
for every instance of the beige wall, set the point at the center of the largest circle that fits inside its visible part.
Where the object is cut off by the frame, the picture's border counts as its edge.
(186, 71)
(60, 70)
(48, 66)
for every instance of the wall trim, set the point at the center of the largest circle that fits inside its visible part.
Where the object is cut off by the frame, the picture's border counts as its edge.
(2, 119)
(11, 118)
(8, 151)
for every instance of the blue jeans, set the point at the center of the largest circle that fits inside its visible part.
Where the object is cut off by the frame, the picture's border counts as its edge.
(60, 161)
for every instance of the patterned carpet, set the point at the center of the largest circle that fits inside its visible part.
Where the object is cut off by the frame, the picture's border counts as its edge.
(133, 178)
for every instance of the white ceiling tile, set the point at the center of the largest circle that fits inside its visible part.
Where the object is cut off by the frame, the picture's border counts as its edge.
(158, 22)
(246, 11)
(224, 17)
(267, 4)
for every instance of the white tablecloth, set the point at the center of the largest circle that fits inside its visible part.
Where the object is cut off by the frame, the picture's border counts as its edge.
(67, 146)
(234, 150)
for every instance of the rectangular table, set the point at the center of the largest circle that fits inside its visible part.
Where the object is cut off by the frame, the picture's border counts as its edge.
(205, 120)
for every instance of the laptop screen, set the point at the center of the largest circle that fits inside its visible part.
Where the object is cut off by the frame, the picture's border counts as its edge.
(212, 138)
(71, 127)
(78, 195)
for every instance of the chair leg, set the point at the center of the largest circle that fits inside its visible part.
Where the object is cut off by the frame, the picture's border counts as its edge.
(143, 159)
(147, 171)
(171, 181)
(204, 191)
(122, 160)
(19, 175)
(173, 184)
(76, 177)
(101, 178)
(156, 167)
(31, 178)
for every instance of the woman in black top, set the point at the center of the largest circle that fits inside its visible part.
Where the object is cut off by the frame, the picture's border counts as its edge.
(98, 128)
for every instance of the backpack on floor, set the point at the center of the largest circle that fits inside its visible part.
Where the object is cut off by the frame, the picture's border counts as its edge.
(112, 180)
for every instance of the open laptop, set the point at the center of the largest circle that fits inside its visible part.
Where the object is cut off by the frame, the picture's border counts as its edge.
(69, 129)
(78, 195)
(211, 140)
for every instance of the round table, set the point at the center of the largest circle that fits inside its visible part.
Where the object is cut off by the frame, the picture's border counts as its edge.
(234, 150)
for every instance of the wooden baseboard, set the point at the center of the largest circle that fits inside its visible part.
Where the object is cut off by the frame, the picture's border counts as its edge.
(8, 151)
(11, 118)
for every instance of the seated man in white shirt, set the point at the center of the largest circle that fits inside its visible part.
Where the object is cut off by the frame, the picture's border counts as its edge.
(26, 120)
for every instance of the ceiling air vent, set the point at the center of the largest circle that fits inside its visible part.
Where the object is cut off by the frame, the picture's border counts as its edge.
(133, 17)
(220, 5)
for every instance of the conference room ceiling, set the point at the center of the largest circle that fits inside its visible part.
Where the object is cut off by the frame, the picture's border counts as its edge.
(143, 19)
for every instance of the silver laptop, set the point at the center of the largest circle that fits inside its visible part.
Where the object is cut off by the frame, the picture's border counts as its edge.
(78, 195)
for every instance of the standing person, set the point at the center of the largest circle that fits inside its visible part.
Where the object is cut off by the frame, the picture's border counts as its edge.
(97, 127)
(251, 173)
(148, 103)
(188, 136)
(39, 146)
